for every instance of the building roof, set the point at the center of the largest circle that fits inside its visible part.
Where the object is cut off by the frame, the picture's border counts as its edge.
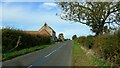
(31, 32)
(42, 32)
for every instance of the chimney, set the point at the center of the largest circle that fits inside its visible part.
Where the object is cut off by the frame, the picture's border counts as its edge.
(45, 24)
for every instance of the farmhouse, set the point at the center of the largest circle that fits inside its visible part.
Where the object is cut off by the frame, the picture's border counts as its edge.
(45, 30)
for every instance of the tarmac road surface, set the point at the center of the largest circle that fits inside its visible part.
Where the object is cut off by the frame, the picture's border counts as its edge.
(59, 54)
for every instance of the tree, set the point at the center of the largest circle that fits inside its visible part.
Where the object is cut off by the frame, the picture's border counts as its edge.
(100, 16)
(61, 37)
(74, 37)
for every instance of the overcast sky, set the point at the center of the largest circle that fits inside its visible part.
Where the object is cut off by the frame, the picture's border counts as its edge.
(33, 15)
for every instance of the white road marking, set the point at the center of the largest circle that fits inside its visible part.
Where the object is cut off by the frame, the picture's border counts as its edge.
(60, 46)
(47, 55)
(29, 66)
(50, 53)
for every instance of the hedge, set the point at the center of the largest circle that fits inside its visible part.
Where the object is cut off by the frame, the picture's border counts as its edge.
(10, 38)
(105, 46)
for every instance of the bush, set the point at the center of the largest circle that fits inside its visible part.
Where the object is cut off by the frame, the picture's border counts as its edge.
(86, 41)
(89, 42)
(111, 49)
(81, 40)
(108, 47)
(10, 38)
(105, 46)
(98, 43)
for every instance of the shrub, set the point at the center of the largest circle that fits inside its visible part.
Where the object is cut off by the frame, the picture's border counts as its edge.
(81, 40)
(105, 46)
(86, 41)
(74, 37)
(111, 49)
(108, 47)
(98, 43)
(10, 38)
(89, 42)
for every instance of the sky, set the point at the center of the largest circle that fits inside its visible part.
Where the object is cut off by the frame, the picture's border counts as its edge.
(33, 15)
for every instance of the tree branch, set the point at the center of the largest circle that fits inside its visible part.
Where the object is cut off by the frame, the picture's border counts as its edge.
(115, 10)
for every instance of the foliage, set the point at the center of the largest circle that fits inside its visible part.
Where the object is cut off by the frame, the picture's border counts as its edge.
(74, 37)
(105, 46)
(81, 40)
(10, 38)
(66, 39)
(60, 37)
(100, 16)
(89, 41)
(111, 48)
(86, 41)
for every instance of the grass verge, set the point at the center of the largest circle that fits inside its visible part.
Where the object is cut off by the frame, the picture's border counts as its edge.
(13, 54)
(81, 58)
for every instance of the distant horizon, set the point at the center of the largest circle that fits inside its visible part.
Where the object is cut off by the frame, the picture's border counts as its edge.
(33, 15)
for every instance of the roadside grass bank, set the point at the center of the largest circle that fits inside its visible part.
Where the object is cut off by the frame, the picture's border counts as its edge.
(13, 54)
(105, 46)
(83, 58)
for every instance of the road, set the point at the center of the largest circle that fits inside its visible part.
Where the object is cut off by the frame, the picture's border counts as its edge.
(59, 54)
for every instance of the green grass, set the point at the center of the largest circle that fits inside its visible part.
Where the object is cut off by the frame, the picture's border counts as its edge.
(99, 62)
(13, 54)
(80, 58)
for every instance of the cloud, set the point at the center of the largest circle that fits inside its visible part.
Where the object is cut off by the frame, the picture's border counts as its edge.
(23, 15)
(48, 6)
